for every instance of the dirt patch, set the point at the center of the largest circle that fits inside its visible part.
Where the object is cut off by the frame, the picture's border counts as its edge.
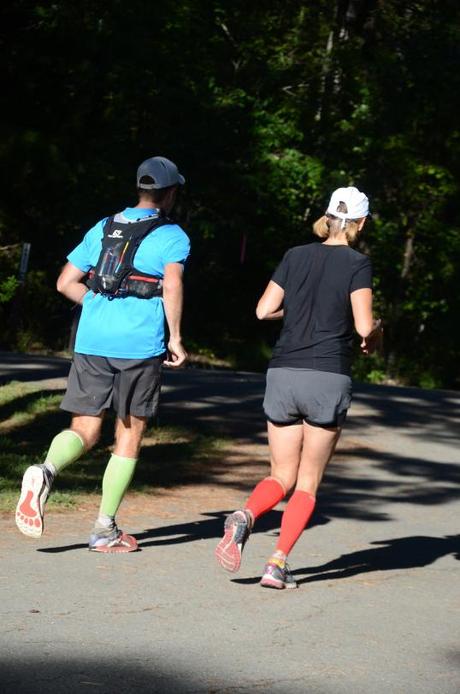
(227, 481)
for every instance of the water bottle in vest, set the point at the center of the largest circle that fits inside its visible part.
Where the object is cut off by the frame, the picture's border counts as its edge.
(108, 267)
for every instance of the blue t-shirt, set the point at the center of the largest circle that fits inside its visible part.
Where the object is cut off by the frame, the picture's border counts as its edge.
(127, 328)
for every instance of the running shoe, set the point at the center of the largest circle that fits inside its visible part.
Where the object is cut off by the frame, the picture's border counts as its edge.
(230, 548)
(36, 486)
(278, 577)
(112, 541)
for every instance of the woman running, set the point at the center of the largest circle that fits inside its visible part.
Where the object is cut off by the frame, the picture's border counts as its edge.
(320, 290)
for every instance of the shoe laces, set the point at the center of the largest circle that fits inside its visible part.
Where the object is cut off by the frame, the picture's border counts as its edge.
(47, 476)
(111, 533)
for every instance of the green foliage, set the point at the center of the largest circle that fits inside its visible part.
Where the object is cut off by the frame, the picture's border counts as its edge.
(8, 287)
(266, 107)
(369, 368)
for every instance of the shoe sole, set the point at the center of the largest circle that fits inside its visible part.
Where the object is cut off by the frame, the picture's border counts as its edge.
(268, 581)
(129, 546)
(227, 552)
(29, 511)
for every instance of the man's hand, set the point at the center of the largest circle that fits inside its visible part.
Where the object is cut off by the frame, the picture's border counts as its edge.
(374, 340)
(176, 354)
(172, 302)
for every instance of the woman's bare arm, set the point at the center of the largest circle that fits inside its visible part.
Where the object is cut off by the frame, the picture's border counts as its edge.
(368, 328)
(269, 306)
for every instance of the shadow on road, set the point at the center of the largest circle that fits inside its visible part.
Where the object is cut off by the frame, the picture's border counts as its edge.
(209, 528)
(56, 675)
(396, 479)
(428, 415)
(362, 483)
(31, 367)
(390, 555)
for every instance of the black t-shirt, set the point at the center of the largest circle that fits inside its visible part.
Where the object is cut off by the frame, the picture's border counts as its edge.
(318, 322)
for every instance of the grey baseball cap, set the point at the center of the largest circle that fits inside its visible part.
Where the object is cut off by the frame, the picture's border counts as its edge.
(163, 172)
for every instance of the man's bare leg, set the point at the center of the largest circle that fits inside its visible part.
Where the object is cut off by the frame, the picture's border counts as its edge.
(117, 477)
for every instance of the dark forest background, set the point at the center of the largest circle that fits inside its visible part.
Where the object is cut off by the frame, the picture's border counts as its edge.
(266, 107)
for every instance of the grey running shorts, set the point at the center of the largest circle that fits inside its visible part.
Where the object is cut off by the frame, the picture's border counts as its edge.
(316, 397)
(131, 386)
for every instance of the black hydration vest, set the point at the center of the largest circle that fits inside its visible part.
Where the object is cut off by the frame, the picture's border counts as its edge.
(114, 274)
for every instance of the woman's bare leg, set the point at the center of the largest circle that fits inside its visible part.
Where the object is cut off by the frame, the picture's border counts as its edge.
(285, 452)
(318, 446)
(285, 449)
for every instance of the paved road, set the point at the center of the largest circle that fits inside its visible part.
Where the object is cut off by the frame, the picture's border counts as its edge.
(377, 609)
(20, 367)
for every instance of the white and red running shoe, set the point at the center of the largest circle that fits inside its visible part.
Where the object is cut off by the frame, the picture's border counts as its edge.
(112, 541)
(36, 486)
(229, 550)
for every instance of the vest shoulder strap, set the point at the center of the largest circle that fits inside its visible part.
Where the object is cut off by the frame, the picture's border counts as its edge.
(121, 239)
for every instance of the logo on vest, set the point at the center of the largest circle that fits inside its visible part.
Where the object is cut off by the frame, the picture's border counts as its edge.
(116, 234)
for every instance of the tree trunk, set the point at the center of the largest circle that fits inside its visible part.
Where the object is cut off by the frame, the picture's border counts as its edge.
(396, 318)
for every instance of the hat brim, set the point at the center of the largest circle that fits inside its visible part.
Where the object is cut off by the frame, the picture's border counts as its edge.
(156, 186)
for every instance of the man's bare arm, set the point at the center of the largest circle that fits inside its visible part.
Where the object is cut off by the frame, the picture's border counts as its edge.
(70, 283)
(173, 297)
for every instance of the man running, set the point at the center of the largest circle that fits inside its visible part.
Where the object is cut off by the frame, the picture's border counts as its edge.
(127, 275)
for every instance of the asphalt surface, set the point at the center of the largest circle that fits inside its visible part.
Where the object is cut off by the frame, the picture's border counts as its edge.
(377, 608)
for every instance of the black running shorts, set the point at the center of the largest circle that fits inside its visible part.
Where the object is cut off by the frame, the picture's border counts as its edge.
(130, 386)
(316, 397)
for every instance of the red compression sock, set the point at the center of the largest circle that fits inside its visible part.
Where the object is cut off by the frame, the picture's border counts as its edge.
(265, 496)
(295, 518)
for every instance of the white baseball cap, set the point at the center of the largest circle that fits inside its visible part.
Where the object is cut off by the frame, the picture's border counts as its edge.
(357, 204)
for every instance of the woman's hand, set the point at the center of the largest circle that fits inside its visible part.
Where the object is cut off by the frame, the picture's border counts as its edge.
(374, 340)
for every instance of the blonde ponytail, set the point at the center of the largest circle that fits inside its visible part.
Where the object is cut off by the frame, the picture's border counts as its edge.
(328, 224)
(321, 227)
(351, 230)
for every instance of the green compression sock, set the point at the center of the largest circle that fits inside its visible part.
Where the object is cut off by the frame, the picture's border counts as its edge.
(65, 448)
(118, 474)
